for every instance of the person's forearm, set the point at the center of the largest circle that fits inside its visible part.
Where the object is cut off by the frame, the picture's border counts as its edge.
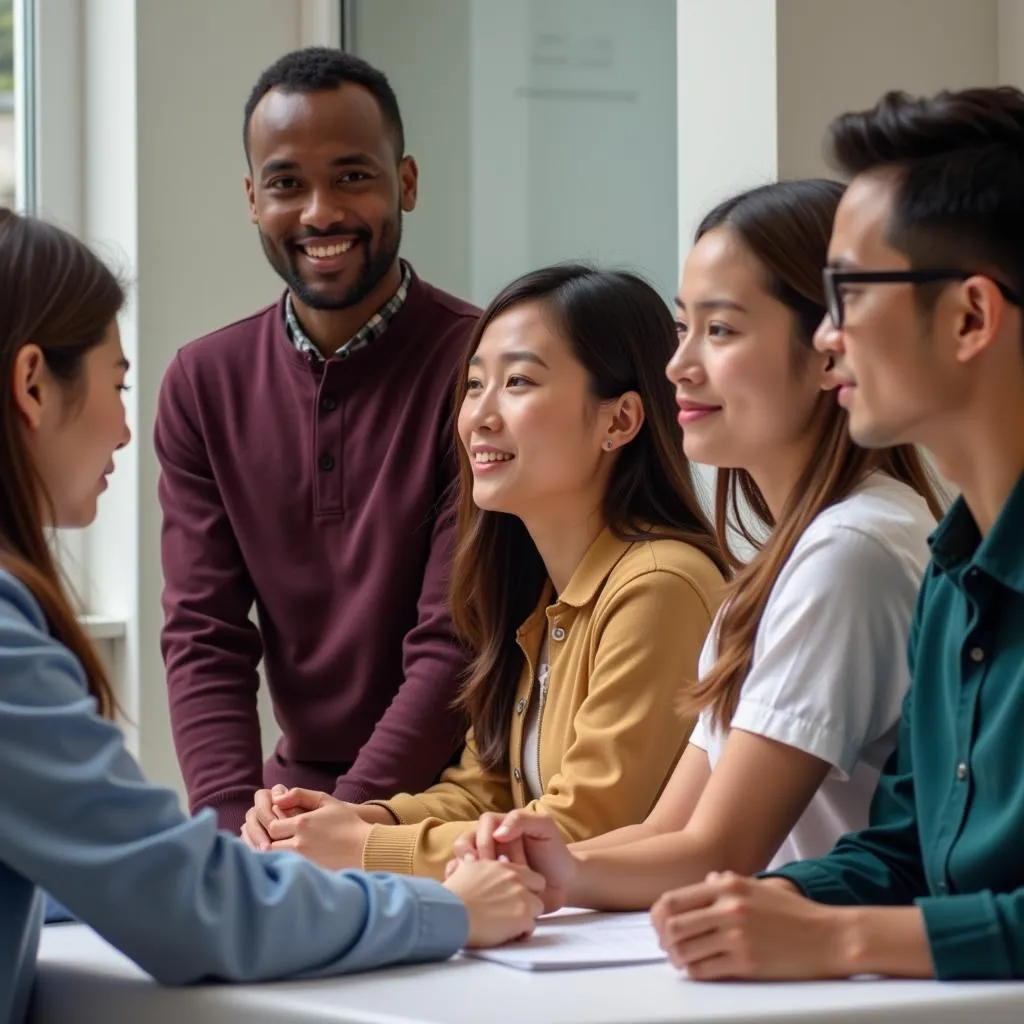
(619, 837)
(633, 876)
(375, 814)
(883, 940)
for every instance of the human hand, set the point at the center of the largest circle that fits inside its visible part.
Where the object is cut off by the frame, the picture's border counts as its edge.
(501, 900)
(326, 830)
(258, 818)
(480, 844)
(729, 926)
(530, 838)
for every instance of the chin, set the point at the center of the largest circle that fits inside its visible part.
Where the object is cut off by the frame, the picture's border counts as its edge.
(488, 501)
(872, 435)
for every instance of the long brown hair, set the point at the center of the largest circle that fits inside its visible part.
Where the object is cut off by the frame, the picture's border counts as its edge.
(787, 227)
(623, 335)
(56, 294)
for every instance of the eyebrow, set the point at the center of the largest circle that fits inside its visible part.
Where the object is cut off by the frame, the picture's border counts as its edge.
(518, 356)
(349, 160)
(711, 305)
(840, 263)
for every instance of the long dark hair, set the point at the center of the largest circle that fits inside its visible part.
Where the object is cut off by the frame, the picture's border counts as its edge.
(786, 226)
(623, 334)
(56, 294)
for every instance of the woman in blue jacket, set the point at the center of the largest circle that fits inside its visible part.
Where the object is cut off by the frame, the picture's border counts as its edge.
(77, 818)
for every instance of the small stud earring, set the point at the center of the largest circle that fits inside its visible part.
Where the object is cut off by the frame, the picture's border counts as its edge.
(609, 445)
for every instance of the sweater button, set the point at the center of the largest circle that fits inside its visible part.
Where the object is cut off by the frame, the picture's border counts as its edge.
(520, 705)
(517, 775)
(558, 633)
(961, 771)
(977, 654)
(327, 463)
(328, 403)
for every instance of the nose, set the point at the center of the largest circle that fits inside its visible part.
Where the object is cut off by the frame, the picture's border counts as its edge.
(321, 211)
(685, 367)
(828, 339)
(479, 413)
(126, 438)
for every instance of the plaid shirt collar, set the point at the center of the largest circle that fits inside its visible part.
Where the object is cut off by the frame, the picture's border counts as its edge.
(369, 332)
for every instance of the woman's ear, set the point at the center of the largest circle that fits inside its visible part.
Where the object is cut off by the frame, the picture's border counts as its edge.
(625, 421)
(29, 385)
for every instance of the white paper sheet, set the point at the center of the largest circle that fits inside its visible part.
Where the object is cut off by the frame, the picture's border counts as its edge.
(573, 939)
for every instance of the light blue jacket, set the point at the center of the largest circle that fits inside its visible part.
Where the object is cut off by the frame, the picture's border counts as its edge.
(183, 900)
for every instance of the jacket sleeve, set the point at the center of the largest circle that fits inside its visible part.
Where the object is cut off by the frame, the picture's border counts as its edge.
(210, 646)
(627, 735)
(183, 900)
(431, 821)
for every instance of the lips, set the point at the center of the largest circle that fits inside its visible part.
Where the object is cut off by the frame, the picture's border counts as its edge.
(691, 412)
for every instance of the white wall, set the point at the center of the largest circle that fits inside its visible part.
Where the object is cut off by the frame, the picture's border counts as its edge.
(835, 56)
(1010, 26)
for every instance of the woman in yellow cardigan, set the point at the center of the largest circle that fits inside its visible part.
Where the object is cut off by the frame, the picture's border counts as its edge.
(585, 582)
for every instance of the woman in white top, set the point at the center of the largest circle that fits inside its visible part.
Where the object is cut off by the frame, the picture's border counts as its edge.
(804, 672)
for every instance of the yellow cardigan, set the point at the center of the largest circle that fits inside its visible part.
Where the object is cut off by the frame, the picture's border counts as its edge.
(623, 639)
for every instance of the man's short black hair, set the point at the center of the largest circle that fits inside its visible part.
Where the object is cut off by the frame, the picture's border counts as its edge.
(958, 164)
(317, 68)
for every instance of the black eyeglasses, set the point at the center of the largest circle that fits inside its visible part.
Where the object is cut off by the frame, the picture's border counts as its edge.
(835, 278)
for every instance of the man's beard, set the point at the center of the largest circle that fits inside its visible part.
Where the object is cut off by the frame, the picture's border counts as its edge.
(376, 264)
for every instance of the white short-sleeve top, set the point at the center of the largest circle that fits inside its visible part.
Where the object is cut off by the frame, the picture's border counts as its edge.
(829, 671)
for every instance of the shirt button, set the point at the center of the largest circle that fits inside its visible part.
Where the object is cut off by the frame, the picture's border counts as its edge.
(517, 775)
(961, 771)
(943, 888)
(520, 705)
(328, 403)
(977, 654)
(558, 633)
(327, 463)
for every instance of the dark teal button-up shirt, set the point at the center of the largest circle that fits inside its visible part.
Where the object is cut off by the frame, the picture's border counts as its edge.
(947, 820)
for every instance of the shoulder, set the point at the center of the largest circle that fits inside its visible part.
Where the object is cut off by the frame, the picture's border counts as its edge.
(447, 306)
(34, 665)
(671, 566)
(19, 610)
(448, 320)
(233, 339)
(878, 533)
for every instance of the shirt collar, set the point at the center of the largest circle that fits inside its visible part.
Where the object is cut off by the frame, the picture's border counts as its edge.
(369, 332)
(957, 542)
(601, 557)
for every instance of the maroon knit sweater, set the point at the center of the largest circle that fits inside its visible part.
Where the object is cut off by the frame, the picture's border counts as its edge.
(314, 492)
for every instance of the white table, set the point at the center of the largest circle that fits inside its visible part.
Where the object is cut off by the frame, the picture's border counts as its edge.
(83, 980)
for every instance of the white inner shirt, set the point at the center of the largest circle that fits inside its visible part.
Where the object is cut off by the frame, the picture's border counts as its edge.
(829, 671)
(531, 727)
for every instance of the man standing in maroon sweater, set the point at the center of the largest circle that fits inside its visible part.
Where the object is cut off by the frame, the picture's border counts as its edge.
(306, 463)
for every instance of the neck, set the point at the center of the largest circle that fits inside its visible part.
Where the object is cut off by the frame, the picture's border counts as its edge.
(329, 329)
(563, 541)
(983, 456)
(777, 478)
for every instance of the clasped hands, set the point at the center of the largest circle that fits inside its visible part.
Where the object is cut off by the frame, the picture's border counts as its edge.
(320, 827)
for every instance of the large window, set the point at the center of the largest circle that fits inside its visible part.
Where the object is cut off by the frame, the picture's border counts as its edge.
(9, 155)
(545, 130)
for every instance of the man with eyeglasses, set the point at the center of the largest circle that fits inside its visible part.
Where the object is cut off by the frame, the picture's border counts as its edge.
(924, 287)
